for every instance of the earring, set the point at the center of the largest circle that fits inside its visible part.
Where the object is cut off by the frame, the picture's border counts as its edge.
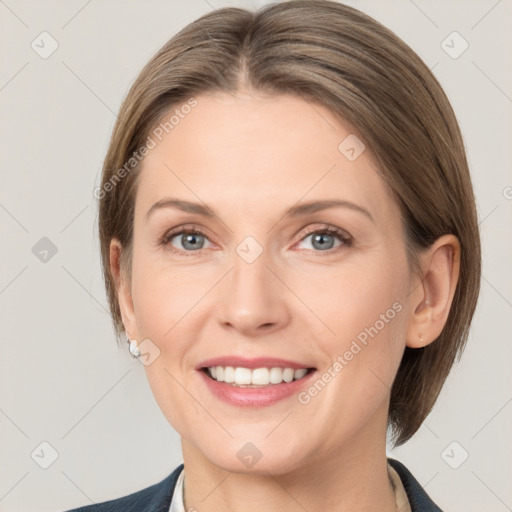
(134, 350)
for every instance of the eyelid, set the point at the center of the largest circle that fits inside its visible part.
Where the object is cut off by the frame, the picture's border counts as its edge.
(326, 228)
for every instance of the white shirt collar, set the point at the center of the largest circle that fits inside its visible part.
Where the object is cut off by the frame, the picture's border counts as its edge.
(177, 496)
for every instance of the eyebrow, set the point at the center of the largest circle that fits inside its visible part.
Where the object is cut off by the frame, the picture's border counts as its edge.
(294, 211)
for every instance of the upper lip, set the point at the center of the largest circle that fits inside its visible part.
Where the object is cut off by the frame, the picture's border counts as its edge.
(257, 362)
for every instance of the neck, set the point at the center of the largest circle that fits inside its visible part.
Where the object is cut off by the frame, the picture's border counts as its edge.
(354, 478)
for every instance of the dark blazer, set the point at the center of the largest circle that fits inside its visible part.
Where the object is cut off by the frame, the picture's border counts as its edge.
(157, 498)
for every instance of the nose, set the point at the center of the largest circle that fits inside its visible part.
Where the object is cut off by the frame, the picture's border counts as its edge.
(253, 299)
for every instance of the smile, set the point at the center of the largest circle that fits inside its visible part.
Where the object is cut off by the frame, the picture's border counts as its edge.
(257, 377)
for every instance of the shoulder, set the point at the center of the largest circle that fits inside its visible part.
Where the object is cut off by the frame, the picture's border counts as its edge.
(419, 500)
(155, 498)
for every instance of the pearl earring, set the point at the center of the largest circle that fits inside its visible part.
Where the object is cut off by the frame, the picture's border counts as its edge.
(134, 350)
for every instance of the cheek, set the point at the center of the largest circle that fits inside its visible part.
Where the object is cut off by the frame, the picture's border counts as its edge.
(362, 334)
(362, 358)
(166, 307)
(359, 301)
(163, 296)
(169, 311)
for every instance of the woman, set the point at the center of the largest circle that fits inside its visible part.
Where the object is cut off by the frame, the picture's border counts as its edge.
(290, 245)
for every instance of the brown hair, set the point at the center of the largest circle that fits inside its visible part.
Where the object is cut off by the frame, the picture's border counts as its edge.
(337, 56)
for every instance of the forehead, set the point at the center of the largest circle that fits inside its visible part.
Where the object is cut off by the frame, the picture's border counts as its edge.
(259, 152)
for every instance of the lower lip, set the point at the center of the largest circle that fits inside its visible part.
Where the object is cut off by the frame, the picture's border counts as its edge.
(255, 397)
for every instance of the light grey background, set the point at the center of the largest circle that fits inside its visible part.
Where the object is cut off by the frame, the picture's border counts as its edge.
(64, 381)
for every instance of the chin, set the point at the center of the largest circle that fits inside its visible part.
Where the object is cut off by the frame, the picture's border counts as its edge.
(253, 461)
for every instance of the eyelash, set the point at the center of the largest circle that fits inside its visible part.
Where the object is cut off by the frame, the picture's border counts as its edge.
(338, 233)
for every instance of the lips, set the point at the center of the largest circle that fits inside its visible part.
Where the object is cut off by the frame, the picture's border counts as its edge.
(279, 379)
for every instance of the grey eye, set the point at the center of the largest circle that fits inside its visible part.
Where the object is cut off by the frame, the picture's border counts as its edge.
(190, 241)
(322, 241)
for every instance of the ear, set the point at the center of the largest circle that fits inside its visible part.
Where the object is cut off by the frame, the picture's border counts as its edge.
(432, 294)
(123, 288)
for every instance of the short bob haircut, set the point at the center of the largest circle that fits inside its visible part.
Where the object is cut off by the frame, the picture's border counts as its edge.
(336, 56)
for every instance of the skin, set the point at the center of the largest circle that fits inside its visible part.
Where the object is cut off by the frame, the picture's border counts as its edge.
(250, 157)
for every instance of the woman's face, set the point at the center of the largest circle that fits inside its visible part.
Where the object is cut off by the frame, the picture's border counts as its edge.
(262, 279)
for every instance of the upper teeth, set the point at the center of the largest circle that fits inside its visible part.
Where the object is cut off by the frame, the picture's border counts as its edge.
(259, 376)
